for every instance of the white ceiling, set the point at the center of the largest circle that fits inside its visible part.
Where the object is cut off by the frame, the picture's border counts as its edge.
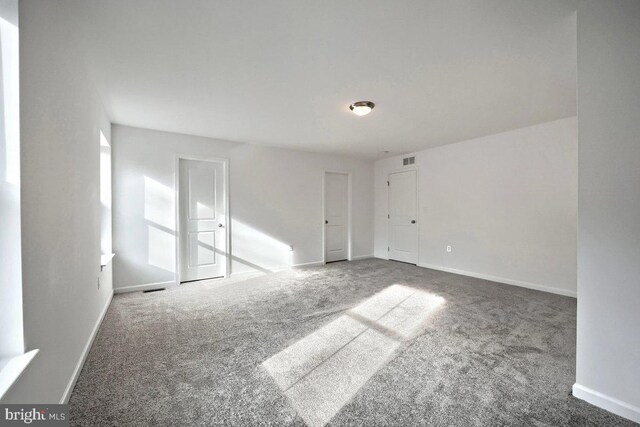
(283, 72)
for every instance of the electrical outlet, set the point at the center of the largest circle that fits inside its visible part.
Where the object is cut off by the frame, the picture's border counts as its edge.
(448, 248)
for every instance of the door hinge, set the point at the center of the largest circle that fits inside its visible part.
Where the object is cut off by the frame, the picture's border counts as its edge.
(387, 183)
(388, 248)
(388, 216)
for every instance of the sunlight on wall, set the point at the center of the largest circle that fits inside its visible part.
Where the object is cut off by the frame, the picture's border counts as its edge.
(323, 371)
(256, 249)
(159, 212)
(159, 207)
(252, 249)
(161, 249)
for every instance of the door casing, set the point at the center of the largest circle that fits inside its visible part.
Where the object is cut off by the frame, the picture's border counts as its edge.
(388, 178)
(227, 225)
(349, 198)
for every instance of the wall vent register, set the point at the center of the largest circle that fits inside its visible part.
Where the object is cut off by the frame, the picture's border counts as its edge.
(408, 161)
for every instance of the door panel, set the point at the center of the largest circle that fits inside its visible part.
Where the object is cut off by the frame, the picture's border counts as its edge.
(336, 216)
(403, 224)
(203, 239)
(202, 192)
(201, 252)
(335, 238)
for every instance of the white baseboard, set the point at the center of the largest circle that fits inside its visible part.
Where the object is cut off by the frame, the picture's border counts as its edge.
(309, 264)
(85, 352)
(145, 287)
(359, 257)
(505, 280)
(607, 403)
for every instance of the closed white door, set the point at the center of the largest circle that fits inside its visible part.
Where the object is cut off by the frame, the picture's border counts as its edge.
(202, 210)
(336, 221)
(403, 217)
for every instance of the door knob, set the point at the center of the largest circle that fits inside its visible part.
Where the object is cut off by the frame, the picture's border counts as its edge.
(413, 221)
(220, 225)
(326, 222)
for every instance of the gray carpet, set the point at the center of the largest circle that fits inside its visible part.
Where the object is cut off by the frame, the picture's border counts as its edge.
(369, 342)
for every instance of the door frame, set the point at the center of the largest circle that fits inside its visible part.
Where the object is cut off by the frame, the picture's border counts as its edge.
(388, 178)
(227, 218)
(349, 197)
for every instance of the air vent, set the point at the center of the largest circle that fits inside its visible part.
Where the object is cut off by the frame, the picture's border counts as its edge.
(408, 161)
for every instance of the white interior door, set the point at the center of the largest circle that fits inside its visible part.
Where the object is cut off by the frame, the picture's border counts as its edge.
(202, 210)
(336, 212)
(403, 217)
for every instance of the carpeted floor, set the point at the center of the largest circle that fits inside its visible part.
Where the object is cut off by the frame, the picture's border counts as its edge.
(368, 342)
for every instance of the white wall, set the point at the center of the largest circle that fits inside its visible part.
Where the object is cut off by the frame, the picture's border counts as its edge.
(275, 201)
(61, 116)
(608, 347)
(11, 339)
(506, 203)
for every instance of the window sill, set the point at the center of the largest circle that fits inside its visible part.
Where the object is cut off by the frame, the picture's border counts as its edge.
(12, 367)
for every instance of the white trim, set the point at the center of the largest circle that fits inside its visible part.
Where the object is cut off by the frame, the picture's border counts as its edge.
(227, 225)
(359, 257)
(309, 264)
(143, 287)
(11, 369)
(85, 353)
(106, 259)
(607, 403)
(324, 212)
(537, 287)
(414, 167)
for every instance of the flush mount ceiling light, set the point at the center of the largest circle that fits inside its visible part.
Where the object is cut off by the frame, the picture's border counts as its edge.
(362, 108)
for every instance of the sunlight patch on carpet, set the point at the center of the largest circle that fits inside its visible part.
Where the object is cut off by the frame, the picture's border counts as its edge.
(322, 372)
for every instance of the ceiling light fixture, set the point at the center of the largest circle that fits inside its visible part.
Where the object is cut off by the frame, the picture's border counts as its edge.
(362, 108)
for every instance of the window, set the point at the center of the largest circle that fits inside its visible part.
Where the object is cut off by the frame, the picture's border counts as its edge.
(105, 200)
(13, 359)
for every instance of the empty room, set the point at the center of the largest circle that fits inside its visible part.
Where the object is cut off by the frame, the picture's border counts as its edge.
(341, 213)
